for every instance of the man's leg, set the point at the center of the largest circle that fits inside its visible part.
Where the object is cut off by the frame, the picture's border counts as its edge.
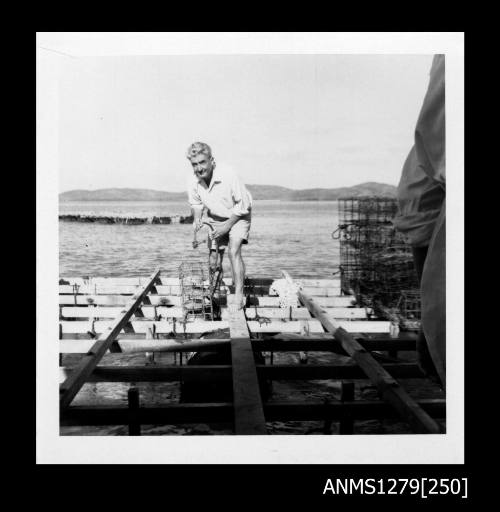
(238, 268)
(215, 261)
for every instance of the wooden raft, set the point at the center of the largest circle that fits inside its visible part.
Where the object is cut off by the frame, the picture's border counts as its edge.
(388, 387)
(116, 316)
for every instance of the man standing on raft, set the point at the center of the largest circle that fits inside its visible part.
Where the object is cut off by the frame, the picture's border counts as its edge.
(228, 205)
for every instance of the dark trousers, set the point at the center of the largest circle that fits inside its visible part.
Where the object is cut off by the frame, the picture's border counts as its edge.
(423, 354)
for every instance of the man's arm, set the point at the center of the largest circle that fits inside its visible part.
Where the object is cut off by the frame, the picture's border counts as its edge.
(195, 203)
(224, 228)
(197, 214)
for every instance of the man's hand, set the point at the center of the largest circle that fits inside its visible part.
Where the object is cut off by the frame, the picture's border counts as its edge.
(220, 231)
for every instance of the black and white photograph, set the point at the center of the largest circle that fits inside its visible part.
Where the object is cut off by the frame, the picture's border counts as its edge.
(244, 249)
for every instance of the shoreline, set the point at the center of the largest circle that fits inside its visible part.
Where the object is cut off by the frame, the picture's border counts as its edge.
(122, 219)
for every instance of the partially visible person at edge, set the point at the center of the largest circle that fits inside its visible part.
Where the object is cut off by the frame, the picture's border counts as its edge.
(228, 206)
(422, 218)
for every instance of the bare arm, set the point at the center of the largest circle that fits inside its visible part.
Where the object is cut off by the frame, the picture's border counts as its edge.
(225, 228)
(197, 214)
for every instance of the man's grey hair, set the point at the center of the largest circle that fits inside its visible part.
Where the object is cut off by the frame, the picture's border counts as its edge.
(198, 148)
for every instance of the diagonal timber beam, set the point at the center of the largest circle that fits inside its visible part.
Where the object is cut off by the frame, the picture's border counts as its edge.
(388, 388)
(70, 387)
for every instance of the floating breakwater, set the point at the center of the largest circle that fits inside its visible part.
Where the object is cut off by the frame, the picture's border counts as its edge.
(104, 219)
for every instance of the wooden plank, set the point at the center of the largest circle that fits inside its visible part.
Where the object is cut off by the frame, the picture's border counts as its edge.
(70, 387)
(142, 326)
(81, 346)
(99, 289)
(322, 292)
(200, 326)
(113, 281)
(108, 289)
(315, 326)
(350, 313)
(219, 373)
(134, 426)
(316, 291)
(312, 410)
(296, 313)
(117, 300)
(248, 410)
(342, 301)
(111, 312)
(389, 389)
(76, 346)
(90, 311)
(346, 426)
(302, 313)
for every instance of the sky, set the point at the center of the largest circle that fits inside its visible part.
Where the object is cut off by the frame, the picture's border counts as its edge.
(300, 121)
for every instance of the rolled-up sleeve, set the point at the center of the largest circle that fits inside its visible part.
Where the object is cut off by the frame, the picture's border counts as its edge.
(241, 197)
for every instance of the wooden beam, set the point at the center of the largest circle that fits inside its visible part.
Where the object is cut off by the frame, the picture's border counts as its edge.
(115, 289)
(217, 373)
(149, 312)
(117, 300)
(315, 326)
(249, 416)
(314, 410)
(141, 326)
(342, 301)
(346, 425)
(134, 425)
(70, 387)
(322, 292)
(301, 313)
(75, 346)
(389, 389)
(127, 281)
(175, 300)
(281, 343)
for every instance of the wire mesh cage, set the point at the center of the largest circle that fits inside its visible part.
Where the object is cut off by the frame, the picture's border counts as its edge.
(196, 296)
(409, 304)
(375, 261)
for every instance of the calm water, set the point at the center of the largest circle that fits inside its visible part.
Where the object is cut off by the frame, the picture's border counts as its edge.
(295, 236)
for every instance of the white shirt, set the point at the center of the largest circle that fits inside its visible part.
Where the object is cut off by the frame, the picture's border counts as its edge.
(225, 196)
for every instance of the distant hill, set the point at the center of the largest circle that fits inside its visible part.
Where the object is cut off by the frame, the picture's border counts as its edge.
(258, 192)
